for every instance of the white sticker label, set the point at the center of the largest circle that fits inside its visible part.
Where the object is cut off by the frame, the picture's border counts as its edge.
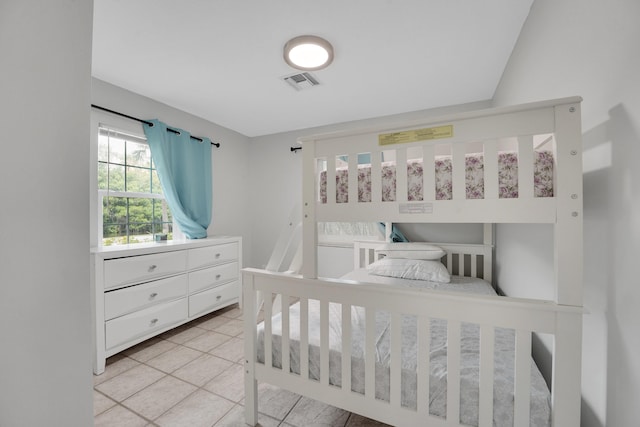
(416, 208)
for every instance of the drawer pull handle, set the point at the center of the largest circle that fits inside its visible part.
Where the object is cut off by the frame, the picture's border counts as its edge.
(153, 295)
(153, 322)
(152, 267)
(218, 297)
(218, 276)
(217, 256)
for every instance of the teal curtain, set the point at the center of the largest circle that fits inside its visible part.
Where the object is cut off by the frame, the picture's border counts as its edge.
(184, 169)
(396, 234)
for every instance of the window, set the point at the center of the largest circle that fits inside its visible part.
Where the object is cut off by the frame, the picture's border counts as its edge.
(132, 208)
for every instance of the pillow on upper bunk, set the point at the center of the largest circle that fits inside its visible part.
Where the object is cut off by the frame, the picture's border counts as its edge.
(414, 269)
(411, 251)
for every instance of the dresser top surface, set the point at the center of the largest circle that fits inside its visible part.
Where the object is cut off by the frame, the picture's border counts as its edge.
(159, 247)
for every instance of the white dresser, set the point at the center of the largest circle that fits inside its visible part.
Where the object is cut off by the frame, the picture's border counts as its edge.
(140, 291)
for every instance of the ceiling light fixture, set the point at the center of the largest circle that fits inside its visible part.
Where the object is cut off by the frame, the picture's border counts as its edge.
(308, 53)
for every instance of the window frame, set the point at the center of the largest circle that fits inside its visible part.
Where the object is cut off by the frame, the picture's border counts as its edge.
(102, 120)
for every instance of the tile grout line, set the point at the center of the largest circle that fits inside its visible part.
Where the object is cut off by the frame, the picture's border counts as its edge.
(290, 410)
(225, 414)
(115, 403)
(166, 374)
(197, 387)
(201, 388)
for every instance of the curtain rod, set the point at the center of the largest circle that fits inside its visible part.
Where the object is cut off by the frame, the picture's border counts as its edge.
(217, 144)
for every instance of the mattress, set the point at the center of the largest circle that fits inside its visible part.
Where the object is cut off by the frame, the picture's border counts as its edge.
(469, 354)
(474, 178)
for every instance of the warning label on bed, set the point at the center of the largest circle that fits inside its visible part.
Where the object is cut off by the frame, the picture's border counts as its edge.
(416, 208)
(415, 135)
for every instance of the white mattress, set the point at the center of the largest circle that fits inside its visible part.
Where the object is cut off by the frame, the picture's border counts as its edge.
(469, 371)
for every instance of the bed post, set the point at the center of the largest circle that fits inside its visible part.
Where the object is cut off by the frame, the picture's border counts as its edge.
(388, 229)
(309, 268)
(568, 191)
(488, 263)
(250, 382)
(567, 370)
(356, 255)
(567, 363)
(487, 233)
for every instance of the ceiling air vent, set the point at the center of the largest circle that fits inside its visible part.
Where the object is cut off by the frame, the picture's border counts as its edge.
(302, 81)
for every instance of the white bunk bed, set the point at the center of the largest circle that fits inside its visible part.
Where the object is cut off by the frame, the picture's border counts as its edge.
(285, 350)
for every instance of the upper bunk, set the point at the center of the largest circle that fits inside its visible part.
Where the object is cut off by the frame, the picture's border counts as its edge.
(517, 164)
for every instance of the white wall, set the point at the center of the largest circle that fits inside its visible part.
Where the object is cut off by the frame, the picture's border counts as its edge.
(231, 211)
(572, 47)
(276, 185)
(443, 233)
(45, 356)
(529, 257)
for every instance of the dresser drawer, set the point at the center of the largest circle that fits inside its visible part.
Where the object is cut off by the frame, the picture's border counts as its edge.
(126, 328)
(122, 271)
(201, 257)
(211, 298)
(212, 276)
(132, 298)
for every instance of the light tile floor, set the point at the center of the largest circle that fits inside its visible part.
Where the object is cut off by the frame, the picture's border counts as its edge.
(192, 376)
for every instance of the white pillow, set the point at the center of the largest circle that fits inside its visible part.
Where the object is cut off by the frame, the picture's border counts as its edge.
(411, 251)
(414, 269)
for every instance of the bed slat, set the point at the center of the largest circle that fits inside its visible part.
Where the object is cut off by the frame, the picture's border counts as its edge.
(453, 371)
(401, 175)
(424, 351)
(490, 161)
(523, 378)
(474, 265)
(487, 342)
(370, 354)
(304, 337)
(428, 173)
(396, 360)
(525, 167)
(376, 176)
(268, 338)
(331, 180)
(458, 169)
(367, 257)
(346, 348)
(353, 178)
(286, 361)
(324, 342)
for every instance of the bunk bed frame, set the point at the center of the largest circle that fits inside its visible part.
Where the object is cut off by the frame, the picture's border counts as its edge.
(561, 318)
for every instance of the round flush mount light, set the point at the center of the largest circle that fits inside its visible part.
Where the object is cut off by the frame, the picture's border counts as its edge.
(308, 53)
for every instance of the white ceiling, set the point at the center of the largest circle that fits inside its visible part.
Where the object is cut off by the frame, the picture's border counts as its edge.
(222, 59)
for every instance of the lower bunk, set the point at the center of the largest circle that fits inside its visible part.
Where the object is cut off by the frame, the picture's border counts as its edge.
(407, 352)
